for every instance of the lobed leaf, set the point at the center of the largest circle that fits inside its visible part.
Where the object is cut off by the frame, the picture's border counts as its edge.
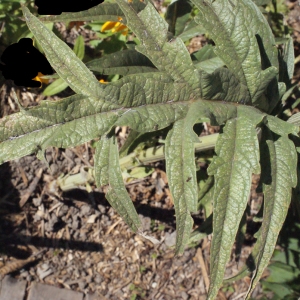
(180, 155)
(223, 85)
(172, 57)
(226, 22)
(237, 158)
(279, 175)
(145, 88)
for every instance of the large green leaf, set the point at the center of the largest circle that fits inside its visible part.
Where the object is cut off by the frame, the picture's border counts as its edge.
(179, 154)
(223, 85)
(108, 158)
(227, 22)
(123, 62)
(63, 59)
(64, 123)
(145, 88)
(172, 57)
(279, 175)
(237, 158)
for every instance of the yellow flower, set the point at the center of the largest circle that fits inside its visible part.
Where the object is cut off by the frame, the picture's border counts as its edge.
(37, 78)
(115, 27)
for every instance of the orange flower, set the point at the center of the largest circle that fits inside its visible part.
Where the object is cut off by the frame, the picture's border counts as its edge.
(37, 78)
(102, 81)
(115, 27)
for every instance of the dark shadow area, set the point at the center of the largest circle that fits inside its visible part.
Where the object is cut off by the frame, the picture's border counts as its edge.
(22, 62)
(13, 232)
(17, 239)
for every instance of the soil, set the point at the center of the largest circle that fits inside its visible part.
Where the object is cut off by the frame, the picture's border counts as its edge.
(75, 240)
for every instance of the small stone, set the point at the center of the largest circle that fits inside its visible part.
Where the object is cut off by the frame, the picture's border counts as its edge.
(85, 210)
(63, 210)
(43, 271)
(37, 201)
(102, 208)
(170, 239)
(12, 288)
(184, 295)
(146, 222)
(54, 168)
(38, 216)
(92, 219)
(82, 284)
(43, 291)
(154, 285)
(98, 278)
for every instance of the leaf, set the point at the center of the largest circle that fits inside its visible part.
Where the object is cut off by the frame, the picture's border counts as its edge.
(100, 13)
(180, 155)
(67, 65)
(177, 15)
(223, 85)
(205, 53)
(145, 88)
(191, 30)
(79, 47)
(170, 58)
(152, 117)
(261, 2)
(101, 161)
(123, 62)
(64, 123)
(279, 175)
(55, 87)
(237, 158)
(227, 22)
(286, 61)
(295, 119)
(117, 195)
(210, 65)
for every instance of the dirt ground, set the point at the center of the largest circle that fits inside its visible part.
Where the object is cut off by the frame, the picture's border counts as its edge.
(75, 240)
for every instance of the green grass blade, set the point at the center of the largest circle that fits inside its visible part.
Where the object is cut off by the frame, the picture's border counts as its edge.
(79, 47)
(55, 87)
